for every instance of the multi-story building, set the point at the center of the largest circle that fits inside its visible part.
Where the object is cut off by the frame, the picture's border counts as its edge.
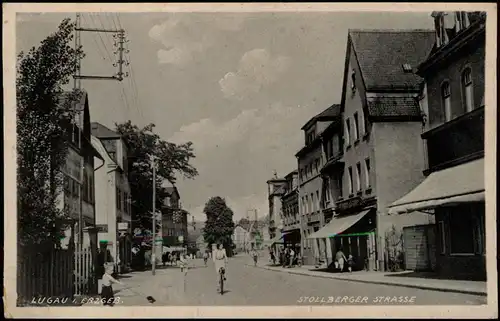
(310, 161)
(113, 196)
(290, 209)
(275, 189)
(452, 98)
(382, 151)
(173, 233)
(78, 197)
(240, 238)
(332, 177)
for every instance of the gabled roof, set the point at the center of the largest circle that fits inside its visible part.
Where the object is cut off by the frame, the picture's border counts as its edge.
(330, 113)
(381, 55)
(387, 107)
(102, 132)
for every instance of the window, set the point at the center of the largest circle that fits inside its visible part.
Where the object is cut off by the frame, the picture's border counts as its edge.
(318, 200)
(327, 190)
(356, 127)
(353, 80)
(442, 238)
(358, 176)
(313, 204)
(350, 187)
(118, 199)
(446, 97)
(461, 229)
(439, 23)
(367, 173)
(347, 132)
(462, 21)
(467, 89)
(407, 68)
(307, 204)
(340, 182)
(362, 123)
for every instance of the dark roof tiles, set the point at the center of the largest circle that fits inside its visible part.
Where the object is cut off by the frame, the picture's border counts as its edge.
(393, 107)
(382, 53)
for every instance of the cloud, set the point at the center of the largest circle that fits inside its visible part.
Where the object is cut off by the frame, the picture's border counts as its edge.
(256, 69)
(207, 133)
(186, 35)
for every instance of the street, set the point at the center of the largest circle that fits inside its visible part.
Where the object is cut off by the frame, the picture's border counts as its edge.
(248, 285)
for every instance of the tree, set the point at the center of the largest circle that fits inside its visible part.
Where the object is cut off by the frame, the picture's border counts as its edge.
(171, 159)
(244, 223)
(44, 112)
(219, 226)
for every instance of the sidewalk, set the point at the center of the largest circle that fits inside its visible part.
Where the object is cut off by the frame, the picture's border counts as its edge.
(165, 287)
(393, 279)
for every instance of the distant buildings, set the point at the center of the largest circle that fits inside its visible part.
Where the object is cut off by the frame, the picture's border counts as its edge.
(173, 233)
(290, 209)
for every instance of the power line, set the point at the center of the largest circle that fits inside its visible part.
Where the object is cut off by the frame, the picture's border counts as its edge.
(102, 40)
(93, 38)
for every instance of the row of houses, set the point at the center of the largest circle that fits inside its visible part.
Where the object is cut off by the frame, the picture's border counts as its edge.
(98, 199)
(394, 172)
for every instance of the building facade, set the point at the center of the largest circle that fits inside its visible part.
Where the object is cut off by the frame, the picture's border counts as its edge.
(382, 156)
(113, 196)
(453, 100)
(173, 233)
(275, 189)
(290, 210)
(78, 196)
(310, 161)
(240, 238)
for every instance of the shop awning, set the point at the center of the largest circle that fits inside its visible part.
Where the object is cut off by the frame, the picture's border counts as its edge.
(460, 184)
(283, 234)
(275, 240)
(338, 225)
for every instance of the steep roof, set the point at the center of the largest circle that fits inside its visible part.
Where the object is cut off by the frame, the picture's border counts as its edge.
(381, 55)
(102, 132)
(328, 114)
(393, 107)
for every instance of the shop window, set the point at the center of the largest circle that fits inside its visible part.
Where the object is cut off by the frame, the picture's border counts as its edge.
(461, 227)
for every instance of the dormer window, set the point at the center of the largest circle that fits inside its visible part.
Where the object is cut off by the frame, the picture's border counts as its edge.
(440, 27)
(407, 68)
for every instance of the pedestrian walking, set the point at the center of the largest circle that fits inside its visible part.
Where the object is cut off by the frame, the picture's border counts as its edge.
(255, 256)
(292, 257)
(340, 259)
(107, 294)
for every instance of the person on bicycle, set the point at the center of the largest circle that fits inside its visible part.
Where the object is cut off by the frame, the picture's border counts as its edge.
(220, 259)
(205, 257)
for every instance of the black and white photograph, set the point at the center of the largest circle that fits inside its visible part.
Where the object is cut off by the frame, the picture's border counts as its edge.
(334, 162)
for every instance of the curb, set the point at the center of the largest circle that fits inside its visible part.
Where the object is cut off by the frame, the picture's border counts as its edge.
(414, 286)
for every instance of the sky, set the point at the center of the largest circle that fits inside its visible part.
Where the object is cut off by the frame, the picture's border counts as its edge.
(238, 85)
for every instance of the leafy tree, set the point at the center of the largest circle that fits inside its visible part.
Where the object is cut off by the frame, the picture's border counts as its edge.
(171, 159)
(44, 112)
(219, 226)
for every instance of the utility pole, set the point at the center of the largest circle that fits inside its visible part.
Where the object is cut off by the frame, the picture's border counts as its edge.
(153, 248)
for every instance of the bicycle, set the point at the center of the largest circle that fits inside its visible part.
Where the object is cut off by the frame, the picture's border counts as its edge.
(222, 271)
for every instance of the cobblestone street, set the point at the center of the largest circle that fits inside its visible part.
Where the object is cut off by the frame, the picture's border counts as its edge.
(248, 285)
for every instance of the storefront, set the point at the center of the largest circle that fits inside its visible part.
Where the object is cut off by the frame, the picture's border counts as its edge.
(353, 233)
(456, 197)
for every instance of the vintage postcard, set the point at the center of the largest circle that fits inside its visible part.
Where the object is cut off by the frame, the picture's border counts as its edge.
(256, 160)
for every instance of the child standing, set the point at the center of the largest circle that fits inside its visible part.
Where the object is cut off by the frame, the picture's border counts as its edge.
(350, 262)
(107, 288)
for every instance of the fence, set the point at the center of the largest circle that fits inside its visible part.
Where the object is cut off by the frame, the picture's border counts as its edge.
(45, 274)
(85, 281)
